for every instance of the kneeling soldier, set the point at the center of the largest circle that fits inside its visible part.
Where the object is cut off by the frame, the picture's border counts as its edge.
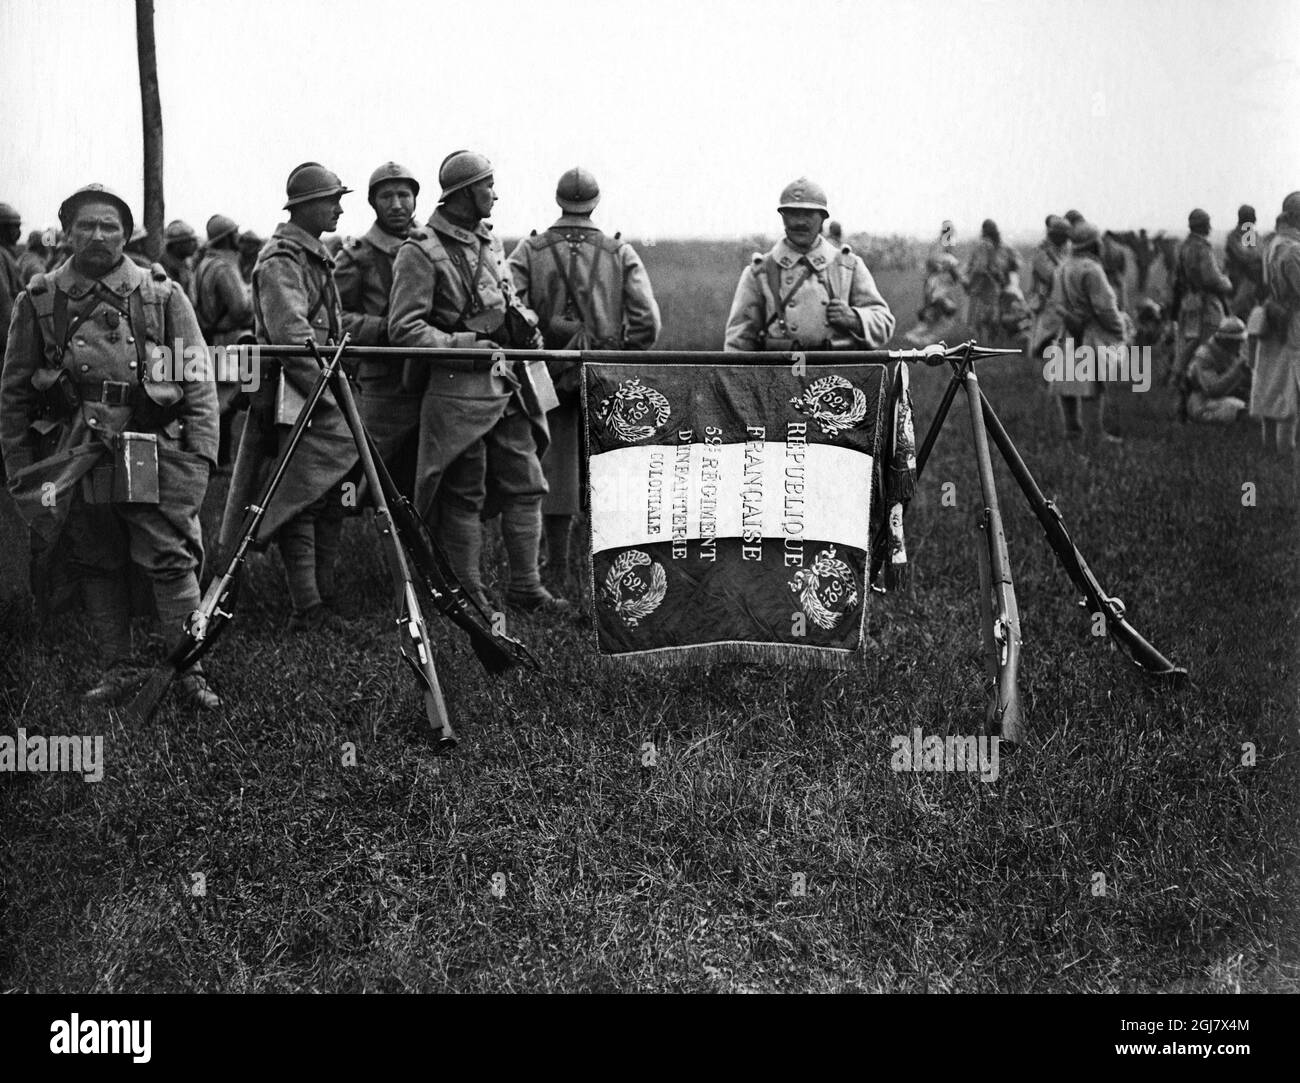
(109, 444)
(806, 294)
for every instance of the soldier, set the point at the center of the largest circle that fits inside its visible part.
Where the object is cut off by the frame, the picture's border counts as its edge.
(1084, 309)
(1243, 262)
(805, 293)
(590, 292)
(991, 271)
(135, 249)
(180, 242)
(90, 375)
(36, 258)
(250, 245)
(452, 288)
(1201, 291)
(1275, 392)
(1048, 256)
(1218, 378)
(223, 303)
(365, 277)
(940, 304)
(295, 298)
(11, 279)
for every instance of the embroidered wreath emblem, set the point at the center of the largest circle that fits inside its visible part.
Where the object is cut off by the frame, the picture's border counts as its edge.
(827, 590)
(834, 403)
(635, 586)
(627, 410)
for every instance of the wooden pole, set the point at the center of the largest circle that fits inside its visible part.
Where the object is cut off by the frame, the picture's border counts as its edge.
(151, 114)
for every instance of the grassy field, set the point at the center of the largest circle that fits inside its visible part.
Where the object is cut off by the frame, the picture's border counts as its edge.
(679, 877)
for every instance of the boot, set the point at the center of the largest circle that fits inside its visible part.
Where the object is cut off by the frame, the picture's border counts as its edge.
(521, 530)
(192, 689)
(120, 681)
(461, 533)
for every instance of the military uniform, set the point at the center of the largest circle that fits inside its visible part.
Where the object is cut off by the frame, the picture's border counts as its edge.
(364, 273)
(102, 333)
(224, 307)
(986, 275)
(1205, 290)
(452, 288)
(616, 310)
(940, 303)
(1218, 378)
(1082, 296)
(294, 298)
(780, 301)
(1042, 270)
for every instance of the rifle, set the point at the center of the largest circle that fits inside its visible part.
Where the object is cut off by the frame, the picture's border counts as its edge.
(496, 651)
(416, 647)
(215, 611)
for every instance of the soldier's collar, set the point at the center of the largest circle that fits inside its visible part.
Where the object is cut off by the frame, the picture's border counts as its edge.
(574, 221)
(122, 279)
(290, 231)
(818, 256)
(383, 240)
(443, 224)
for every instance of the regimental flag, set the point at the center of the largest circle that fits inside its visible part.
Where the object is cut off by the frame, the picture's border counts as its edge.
(732, 509)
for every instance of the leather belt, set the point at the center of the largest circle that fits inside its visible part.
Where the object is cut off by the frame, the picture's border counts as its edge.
(109, 392)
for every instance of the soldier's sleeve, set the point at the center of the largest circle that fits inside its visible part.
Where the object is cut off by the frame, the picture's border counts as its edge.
(199, 408)
(8, 297)
(22, 355)
(521, 270)
(366, 330)
(411, 302)
(1102, 300)
(1212, 280)
(745, 321)
(865, 300)
(284, 297)
(640, 309)
(235, 295)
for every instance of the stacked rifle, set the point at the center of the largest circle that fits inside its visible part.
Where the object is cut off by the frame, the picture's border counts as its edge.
(419, 569)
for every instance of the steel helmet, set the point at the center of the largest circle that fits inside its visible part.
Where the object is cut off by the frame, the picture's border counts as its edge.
(804, 195)
(1231, 328)
(220, 226)
(1085, 234)
(9, 216)
(179, 231)
(390, 171)
(460, 169)
(1198, 219)
(311, 180)
(577, 192)
(96, 193)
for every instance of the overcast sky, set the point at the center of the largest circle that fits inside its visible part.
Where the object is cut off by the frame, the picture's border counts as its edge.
(692, 114)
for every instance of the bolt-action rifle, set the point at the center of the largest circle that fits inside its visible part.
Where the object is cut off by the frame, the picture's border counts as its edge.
(216, 609)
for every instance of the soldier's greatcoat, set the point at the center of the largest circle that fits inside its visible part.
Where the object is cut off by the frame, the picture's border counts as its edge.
(1275, 392)
(364, 273)
(614, 309)
(806, 282)
(223, 304)
(1083, 296)
(451, 288)
(294, 298)
(103, 332)
(1205, 286)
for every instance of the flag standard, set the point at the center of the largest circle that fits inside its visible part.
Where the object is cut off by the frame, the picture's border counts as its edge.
(732, 509)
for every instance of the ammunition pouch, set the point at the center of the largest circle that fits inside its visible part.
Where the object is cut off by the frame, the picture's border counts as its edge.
(57, 395)
(131, 474)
